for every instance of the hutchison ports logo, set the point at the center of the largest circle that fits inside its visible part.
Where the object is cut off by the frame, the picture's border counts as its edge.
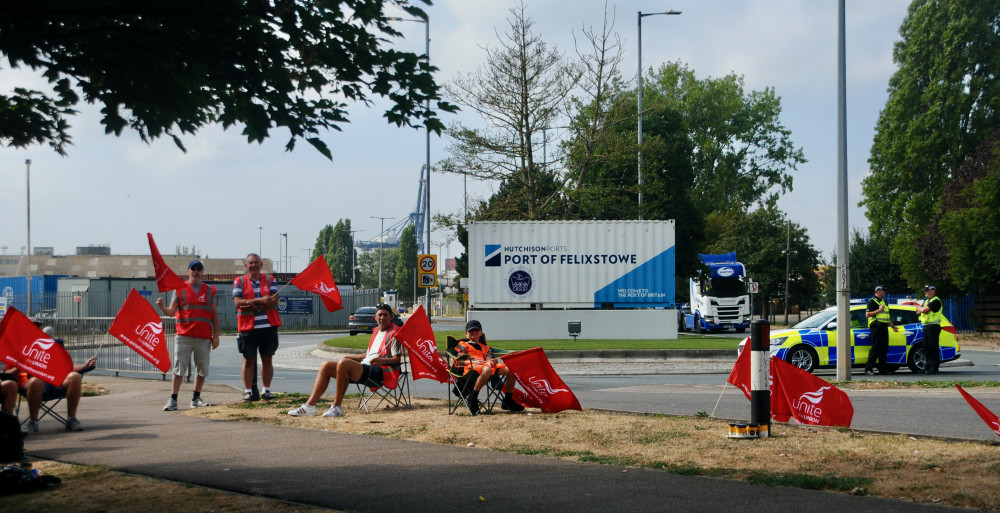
(493, 255)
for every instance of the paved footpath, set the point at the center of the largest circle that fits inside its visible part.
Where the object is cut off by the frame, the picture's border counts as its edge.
(127, 431)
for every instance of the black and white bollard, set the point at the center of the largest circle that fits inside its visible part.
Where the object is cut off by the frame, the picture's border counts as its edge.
(760, 390)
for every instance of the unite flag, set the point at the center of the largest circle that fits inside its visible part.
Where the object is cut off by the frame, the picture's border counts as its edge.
(417, 337)
(25, 346)
(798, 394)
(317, 278)
(138, 326)
(739, 377)
(988, 417)
(541, 383)
(166, 279)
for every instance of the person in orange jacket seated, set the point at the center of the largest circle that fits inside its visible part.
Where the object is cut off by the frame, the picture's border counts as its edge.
(480, 360)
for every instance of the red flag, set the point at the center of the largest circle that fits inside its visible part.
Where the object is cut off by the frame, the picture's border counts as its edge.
(809, 400)
(418, 338)
(988, 417)
(540, 381)
(29, 349)
(139, 327)
(318, 278)
(740, 375)
(166, 279)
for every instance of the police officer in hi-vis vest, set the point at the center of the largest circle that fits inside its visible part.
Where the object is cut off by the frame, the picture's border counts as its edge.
(197, 332)
(931, 317)
(256, 298)
(879, 322)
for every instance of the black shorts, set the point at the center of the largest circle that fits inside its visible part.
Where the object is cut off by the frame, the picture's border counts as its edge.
(49, 393)
(262, 340)
(370, 376)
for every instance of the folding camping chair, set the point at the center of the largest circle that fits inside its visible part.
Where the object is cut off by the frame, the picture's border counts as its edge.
(46, 408)
(395, 396)
(462, 382)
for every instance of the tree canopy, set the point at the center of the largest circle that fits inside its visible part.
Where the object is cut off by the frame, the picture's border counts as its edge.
(941, 107)
(170, 68)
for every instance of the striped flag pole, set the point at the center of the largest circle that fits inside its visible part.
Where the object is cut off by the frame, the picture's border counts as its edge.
(760, 392)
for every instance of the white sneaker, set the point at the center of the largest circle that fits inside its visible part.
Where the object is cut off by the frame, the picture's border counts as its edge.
(171, 405)
(334, 411)
(305, 409)
(198, 403)
(32, 427)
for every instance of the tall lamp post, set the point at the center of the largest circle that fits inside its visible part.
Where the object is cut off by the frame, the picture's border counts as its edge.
(427, 188)
(639, 168)
(381, 239)
(284, 236)
(27, 164)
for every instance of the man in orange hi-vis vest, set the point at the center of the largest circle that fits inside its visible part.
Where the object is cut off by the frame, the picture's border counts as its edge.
(256, 298)
(197, 332)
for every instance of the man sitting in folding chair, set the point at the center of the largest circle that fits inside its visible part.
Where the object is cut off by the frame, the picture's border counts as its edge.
(368, 369)
(474, 354)
(38, 393)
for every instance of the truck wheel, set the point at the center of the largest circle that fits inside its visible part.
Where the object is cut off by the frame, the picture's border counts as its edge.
(740, 330)
(917, 360)
(803, 357)
(697, 325)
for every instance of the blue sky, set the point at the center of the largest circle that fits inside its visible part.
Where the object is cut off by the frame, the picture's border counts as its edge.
(112, 190)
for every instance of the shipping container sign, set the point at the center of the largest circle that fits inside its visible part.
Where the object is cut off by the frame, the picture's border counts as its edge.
(571, 264)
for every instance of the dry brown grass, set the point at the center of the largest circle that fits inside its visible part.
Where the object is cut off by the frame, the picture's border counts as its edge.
(891, 466)
(86, 489)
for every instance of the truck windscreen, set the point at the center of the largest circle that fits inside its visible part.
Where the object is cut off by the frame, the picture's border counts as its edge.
(727, 287)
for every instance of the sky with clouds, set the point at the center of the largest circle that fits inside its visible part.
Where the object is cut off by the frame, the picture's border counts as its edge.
(216, 197)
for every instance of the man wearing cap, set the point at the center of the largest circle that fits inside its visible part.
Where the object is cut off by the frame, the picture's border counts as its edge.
(197, 332)
(384, 352)
(481, 360)
(930, 317)
(879, 322)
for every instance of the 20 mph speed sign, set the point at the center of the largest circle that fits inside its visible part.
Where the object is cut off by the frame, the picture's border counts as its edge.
(428, 263)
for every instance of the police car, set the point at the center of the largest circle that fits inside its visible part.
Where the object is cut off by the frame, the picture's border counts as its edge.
(812, 343)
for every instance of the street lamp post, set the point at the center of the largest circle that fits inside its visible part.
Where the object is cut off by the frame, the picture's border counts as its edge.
(381, 239)
(284, 236)
(27, 164)
(639, 164)
(427, 188)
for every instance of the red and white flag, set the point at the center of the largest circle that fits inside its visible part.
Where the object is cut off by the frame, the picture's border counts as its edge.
(798, 394)
(540, 381)
(740, 375)
(138, 326)
(988, 417)
(418, 338)
(166, 279)
(317, 278)
(29, 349)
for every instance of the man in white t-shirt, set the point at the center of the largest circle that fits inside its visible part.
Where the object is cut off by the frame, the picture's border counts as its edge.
(366, 368)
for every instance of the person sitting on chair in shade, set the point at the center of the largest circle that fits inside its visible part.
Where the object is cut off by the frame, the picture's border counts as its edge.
(37, 391)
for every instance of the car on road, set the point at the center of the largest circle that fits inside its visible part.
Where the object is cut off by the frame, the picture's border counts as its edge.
(363, 320)
(812, 343)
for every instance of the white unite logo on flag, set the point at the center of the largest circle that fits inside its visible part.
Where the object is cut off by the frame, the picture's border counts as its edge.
(39, 350)
(808, 403)
(996, 427)
(543, 386)
(322, 289)
(149, 331)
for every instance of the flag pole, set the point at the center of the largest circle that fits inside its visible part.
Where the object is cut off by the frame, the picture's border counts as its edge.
(724, 387)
